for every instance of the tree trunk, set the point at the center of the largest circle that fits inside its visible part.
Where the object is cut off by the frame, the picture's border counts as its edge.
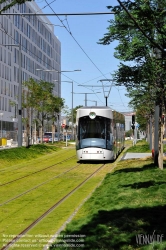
(156, 134)
(160, 156)
(53, 132)
(41, 134)
(152, 133)
(27, 128)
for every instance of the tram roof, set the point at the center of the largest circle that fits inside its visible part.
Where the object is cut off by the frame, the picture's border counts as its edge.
(95, 107)
(103, 111)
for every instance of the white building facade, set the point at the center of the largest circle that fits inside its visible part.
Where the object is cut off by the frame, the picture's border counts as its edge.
(128, 120)
(40, 49)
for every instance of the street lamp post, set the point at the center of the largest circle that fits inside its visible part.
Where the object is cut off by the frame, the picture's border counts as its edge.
(19, 95)
(93, 101)
(54, 70)
(86, 96)
(72, 109)
(57, 71)
(20, 102)
(103, 86)
(108, 92)
(47, 70)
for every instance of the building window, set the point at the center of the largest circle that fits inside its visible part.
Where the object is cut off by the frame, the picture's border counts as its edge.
(16, 37)
(2, 103)
(5, 104)
(9, 106)
(15, 73)
(22, 25)
(5, 88)
(1, 86)
(1, 53)
(9, 58)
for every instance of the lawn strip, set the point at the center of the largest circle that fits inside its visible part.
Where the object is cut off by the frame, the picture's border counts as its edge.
(35, 165)
(12, 156)
(131, 201)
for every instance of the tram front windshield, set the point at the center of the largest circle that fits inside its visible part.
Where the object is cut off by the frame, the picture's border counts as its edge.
(94, 132)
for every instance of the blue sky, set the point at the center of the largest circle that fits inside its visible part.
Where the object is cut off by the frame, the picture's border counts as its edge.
(81, 51)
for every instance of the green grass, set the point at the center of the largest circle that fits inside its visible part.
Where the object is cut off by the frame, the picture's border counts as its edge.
(55, 220)
(13, 156)
(19, 213)
(16, 155)
(141, 147)
(129, 203)
(23, 152)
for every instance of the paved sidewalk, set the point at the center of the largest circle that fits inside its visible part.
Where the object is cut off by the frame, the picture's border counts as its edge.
(7, 147)
(135, 155)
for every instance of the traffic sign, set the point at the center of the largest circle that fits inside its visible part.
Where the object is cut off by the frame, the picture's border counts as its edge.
(63, 125)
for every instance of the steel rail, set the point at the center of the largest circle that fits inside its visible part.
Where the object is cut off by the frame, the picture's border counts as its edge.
(41, 184)
(6, 183)
(16, 238)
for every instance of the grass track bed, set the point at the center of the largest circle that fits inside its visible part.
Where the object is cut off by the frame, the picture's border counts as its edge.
(14, 189)
(32, 166)
(56, 219)
(26, 209)
(13, 156)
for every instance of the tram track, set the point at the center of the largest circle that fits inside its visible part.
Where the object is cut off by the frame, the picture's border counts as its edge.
(40, 218)
(39, 185)
(38, 171)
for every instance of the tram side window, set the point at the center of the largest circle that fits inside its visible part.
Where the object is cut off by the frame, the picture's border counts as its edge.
(108, 129)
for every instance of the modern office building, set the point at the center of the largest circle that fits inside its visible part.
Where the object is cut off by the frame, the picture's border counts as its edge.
(40, 49)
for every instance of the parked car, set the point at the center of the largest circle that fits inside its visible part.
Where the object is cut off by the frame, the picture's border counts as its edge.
(45, 139)
(49, 134)
(68, 138)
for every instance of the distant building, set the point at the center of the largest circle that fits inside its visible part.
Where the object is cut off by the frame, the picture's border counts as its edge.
(128, 120)
(40, 49)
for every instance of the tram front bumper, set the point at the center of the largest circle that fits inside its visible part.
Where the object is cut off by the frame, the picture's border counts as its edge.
(98, 155)
(91, 154)
(94, 154)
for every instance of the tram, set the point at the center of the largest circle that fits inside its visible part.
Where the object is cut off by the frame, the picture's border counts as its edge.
(100, 133)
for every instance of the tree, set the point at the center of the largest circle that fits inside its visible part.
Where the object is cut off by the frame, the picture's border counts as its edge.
(11, 4)
(68, 112)
(38, 99)
(74, 113)
(54, 107)
(142, 102)
(140, 28)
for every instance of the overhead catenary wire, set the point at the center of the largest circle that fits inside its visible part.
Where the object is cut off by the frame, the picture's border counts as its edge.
(79, 46)
(68, 30)
(3, 30)
(48, 4)
(76, 40)
(57, 14)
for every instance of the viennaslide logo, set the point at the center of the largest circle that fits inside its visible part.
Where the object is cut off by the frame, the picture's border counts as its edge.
(149, 239)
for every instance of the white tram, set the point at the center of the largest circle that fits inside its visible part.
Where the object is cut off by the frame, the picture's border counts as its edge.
(100, 133)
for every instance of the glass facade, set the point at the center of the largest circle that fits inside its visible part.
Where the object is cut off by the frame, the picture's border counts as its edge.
(40, 49)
